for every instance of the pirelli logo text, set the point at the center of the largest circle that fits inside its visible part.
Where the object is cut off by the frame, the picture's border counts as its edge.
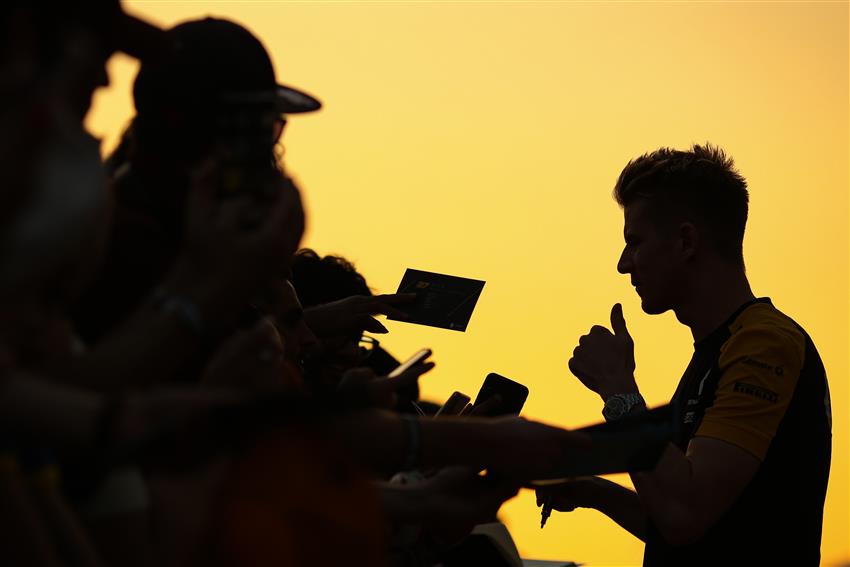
(757, 392)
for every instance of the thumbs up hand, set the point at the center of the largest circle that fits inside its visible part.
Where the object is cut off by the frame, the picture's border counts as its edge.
(604, 361)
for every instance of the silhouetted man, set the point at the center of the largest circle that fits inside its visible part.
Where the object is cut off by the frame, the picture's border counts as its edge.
(745, 481)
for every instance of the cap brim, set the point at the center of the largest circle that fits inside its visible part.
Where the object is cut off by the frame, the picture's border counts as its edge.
(293, 101)
(285, 100)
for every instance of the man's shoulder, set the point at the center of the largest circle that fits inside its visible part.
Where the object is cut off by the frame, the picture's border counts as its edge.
(760, 332)
(763, 318)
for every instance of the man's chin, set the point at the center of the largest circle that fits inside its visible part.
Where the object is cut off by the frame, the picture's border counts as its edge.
(651, 308)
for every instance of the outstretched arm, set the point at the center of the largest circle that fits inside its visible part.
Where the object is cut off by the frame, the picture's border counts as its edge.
(513, 446)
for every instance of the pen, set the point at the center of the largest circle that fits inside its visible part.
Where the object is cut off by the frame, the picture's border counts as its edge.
(545, 512)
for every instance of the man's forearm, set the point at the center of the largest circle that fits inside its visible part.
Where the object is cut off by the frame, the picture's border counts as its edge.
(664, 492)
(621, 505)
(686, 494)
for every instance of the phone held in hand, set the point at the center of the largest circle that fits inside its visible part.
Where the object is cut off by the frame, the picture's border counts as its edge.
(512, 395)
(456, 403)
(417, 358)
(379, 360)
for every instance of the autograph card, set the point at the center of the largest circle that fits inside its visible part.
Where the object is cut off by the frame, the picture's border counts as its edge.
(442, 301)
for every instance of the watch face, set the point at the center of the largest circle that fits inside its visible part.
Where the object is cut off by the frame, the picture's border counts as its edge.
(615, 407)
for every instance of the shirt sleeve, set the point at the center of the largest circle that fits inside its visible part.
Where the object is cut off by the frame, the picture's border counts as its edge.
(760, 366)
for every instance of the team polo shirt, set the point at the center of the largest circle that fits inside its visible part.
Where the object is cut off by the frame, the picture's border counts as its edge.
(757, 382)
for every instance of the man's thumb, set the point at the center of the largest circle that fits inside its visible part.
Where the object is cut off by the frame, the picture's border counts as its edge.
(618, 322)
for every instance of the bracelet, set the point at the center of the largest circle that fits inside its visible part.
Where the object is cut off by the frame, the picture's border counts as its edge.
(414, 443)
(185, 310)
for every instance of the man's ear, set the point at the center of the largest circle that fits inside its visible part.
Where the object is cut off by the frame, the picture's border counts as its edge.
(689, 240)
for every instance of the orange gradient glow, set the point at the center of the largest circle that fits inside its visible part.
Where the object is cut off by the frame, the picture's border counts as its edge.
(483, 139)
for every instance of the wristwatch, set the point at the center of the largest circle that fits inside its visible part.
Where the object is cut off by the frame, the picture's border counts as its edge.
(620, 405)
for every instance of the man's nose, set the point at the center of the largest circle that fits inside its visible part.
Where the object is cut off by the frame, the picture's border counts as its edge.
(624, 264)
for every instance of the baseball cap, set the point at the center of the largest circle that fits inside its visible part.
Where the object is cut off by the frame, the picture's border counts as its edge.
(215, 62)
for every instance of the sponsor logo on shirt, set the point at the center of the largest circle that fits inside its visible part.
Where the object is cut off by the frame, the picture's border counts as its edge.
(757, 392)
(778, 370)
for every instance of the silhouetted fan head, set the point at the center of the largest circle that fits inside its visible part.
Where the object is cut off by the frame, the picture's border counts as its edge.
(216, 62)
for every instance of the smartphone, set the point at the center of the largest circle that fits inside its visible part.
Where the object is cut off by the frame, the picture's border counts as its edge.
(513, 395)
(381, 361)
(417, 358)
(456, 403)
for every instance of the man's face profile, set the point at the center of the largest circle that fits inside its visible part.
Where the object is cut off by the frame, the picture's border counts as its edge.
(649, 259)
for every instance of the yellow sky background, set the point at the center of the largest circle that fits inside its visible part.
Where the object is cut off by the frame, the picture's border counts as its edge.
(482, 139)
